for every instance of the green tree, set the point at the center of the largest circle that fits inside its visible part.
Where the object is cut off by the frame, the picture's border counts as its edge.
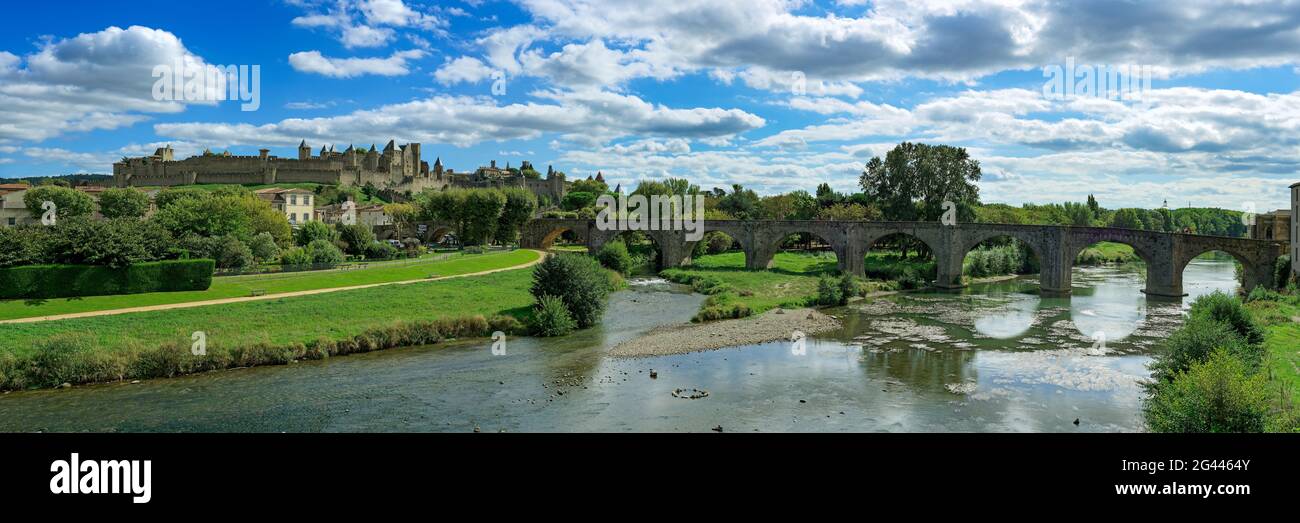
(123, 203)
(578, 200)
(69, 203)
(1126, 219)
(356, 237)
(404, 216)
(263, 247)
(480, 216)
(171, 195)
(590, 186)
(614, 256)
(312, 231)
(1218, 395)
(914, 180)
(741, 203)
(519, 208)
(579, 281)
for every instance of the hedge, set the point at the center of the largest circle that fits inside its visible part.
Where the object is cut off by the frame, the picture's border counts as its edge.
(64, 281)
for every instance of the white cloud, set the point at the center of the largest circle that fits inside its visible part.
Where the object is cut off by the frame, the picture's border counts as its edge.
(589, 117)
(314, 62)
(463, 69)
(101, 80)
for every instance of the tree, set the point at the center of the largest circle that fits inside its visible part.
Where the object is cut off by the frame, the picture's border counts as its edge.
(850, 212)
(519, 208)
(263, 247)
(403, 216)
(579, 281)
(913, 181)
(235, 254)
(171, 195)
(826, 196)
(575, 200)
(356, 237)
(779, 207)
(590, 186)
(123, 203)
(741, 203)
(1126, 219)
(312, 231)
(69, 203)
(1094, 207)
(1218, 395)
(480, 214)
(224, 213)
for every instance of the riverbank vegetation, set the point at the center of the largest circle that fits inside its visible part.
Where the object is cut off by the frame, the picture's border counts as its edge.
(1229, 368)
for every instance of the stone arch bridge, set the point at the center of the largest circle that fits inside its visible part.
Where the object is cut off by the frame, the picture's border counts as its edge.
(1165, 254)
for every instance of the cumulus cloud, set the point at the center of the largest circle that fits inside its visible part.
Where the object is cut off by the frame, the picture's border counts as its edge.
(100, 80)
(590, 117)
(463, 69)
(369, 23)
(393, 65)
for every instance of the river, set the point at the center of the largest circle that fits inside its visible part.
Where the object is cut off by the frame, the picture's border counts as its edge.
(995, 357)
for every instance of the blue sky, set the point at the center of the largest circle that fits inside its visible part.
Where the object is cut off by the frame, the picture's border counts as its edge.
(772, 94)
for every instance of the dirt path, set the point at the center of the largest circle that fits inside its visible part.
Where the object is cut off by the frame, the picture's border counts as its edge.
(186, 305)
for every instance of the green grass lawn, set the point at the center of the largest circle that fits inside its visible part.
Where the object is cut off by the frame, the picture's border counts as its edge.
(1282, 339)
(789, 283)
(239, 286)
(299, 319)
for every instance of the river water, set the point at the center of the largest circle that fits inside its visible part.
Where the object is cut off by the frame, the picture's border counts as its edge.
(996, 357)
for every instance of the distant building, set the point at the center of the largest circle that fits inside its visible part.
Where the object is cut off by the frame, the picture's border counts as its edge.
(1275, 225)
(298, 205)
(13, 212)
(397, 168)
(1295, 229)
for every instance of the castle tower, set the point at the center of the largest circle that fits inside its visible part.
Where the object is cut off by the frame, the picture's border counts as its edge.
(372, 159)
(437, 167)
(304, 152)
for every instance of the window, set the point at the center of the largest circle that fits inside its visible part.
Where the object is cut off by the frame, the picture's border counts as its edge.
(293, 199)
(306, 200)
(13, 221)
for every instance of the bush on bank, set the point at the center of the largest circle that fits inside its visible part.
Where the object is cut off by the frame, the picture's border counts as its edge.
(75, 358)
(63, 281)
(579, 281)
(1211, 379)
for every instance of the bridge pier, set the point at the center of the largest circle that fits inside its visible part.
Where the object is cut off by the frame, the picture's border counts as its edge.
(759, 256)
(852, 259)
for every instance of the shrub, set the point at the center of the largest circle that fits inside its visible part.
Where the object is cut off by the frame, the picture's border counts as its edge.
(69, 203)
(126, 202)
(1228, 309)
(613, 255)
(357, 238)
(1218, 395)
(264, 247)
(828, 291)
(295, 256)
(323, 252)
(235, 254)
(1281, 272)
(62, 281)
(1196, 340)
(506, 324)
(551, 317)
(910, 279)
(380, 251)
(579, 281)
(312, 231)
(849, 288)
(24, 245)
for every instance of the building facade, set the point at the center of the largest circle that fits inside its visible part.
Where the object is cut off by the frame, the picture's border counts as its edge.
(298, 205)
(13, 212)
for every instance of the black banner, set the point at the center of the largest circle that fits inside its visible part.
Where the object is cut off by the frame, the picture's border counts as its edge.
(156, 472)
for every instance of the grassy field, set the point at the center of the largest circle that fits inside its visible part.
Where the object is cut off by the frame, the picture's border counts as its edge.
(1282, 338)
(298, 319)
(791, 282)
(239, 286)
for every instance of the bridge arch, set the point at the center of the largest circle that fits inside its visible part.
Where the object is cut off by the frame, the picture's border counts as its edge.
(1032, 242)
